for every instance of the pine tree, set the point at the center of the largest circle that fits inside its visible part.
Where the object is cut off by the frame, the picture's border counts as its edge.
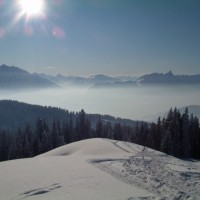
(175, 129)
(76, 132)
(198, 144)
(12, 149)
(159, 133)
(29, 141)
(19, 144)
(118, 131)
(57, 136)
(65, 132)
(143, 133)
(194, 137)
(107, 131)
(87, 128)
(135, 135)
(152, 137)
(169, 119)
(5, 143)
(71, 128)
(167, 143)
(127, 131)
(185, 134)
(99, 128)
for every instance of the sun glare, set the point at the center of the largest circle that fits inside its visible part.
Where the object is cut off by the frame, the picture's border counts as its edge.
(33, 16)
(31, 7)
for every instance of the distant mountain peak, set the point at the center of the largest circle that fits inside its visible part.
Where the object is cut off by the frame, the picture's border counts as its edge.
(13, 77)
(168, 78)
(169, 73)
(3, 66)
(101, 78)
(12, 69)
(98, 76)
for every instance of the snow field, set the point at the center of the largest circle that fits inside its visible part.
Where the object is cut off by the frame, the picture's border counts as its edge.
(165, 176)
(97, 169)
(66, 173)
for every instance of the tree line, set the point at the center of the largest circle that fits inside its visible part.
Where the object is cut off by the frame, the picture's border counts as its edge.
(177, 135)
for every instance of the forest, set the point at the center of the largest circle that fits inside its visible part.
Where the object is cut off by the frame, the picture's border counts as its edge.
(177, 134)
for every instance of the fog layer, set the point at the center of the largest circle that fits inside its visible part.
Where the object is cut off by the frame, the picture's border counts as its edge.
(132, 103)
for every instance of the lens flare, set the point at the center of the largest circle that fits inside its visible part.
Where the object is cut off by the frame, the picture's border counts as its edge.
(34, 16)
(2, 32)
(31, 7)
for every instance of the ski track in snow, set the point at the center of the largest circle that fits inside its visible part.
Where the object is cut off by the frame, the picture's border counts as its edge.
(165, 176)
(38, 191)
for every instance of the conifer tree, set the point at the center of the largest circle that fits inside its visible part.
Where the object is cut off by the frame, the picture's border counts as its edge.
(29, 140)
(143, 133)
(135, 135)
(152, 137)
(65, 132)
(99, 128)
(175, 129)
(159, 134)
(5, 143)
(71, 128)
(76, 132)
(194, 137)
(167, 143)
(57, 136)
(107, 131)
(118, 131)
(185, 135)
(19, 144)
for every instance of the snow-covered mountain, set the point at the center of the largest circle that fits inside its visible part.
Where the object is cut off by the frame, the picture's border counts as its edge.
(62, 80)
(101, 78)
(98, 80)
(168, 78)
(100, 169)
(16, 78)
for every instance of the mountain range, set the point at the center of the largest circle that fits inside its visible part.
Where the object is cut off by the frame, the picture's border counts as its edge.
(16, 78)
(98, 80)
(168, 78)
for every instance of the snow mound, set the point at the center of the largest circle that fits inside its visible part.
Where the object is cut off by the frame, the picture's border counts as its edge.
(100, 169)
(94, 147)
(68, 173)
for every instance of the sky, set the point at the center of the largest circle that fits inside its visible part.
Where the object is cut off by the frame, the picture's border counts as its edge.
(113, 37)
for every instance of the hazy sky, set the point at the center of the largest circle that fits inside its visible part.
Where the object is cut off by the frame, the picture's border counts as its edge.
(84, 37)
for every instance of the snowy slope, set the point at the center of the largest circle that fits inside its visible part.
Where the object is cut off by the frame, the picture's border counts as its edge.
(97, 169)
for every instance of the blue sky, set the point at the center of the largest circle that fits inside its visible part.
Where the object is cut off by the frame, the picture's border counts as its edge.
(114, 37)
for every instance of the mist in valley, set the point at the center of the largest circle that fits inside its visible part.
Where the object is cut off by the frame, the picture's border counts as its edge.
(137, 103)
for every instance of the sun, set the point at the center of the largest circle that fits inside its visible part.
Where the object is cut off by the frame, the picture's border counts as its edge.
(31, 7)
